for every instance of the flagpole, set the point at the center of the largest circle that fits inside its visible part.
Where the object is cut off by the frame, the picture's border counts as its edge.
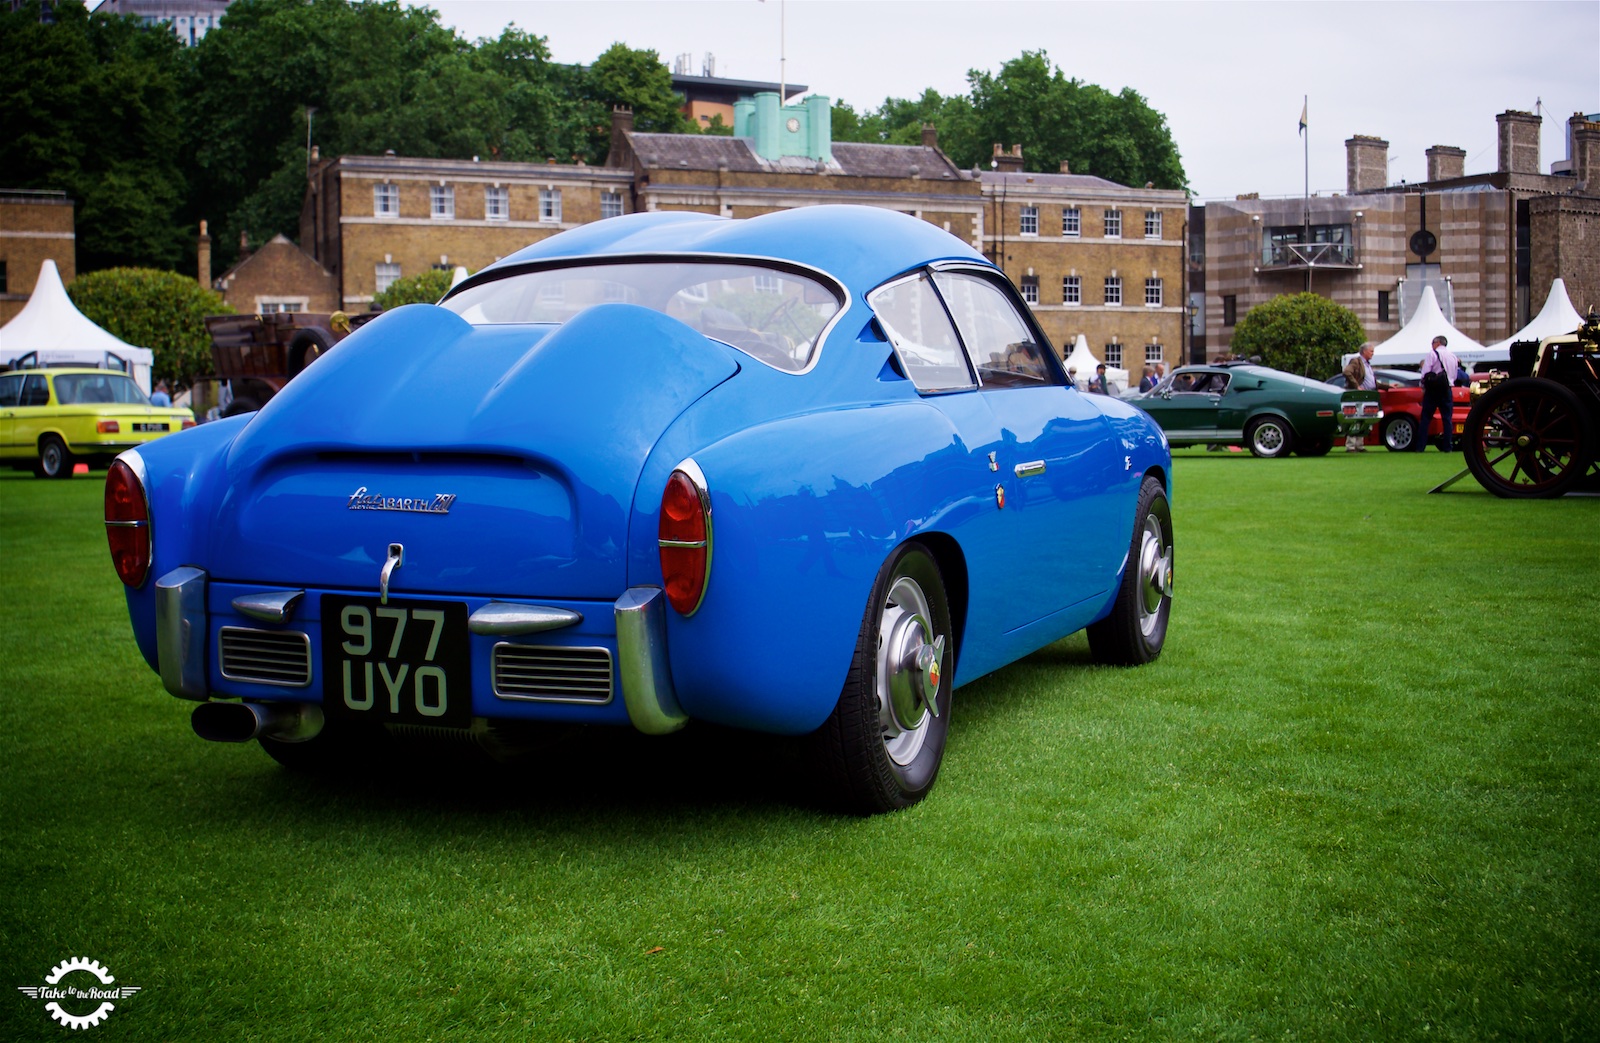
(1305, 234)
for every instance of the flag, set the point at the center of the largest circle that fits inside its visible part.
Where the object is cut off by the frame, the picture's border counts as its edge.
(1303, 115)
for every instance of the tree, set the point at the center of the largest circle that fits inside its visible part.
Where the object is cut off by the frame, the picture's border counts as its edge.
(422, 288)
(1299, 333)
(162, 311)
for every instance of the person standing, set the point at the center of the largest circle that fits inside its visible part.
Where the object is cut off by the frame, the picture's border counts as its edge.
(1148, 381)
(1358, 376)
(161, 397)
(1438, 369)
(1097, 383)
(1072, 376)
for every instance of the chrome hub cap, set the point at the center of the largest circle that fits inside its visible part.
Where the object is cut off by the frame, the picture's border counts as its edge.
(1155, 573)
(910, 667)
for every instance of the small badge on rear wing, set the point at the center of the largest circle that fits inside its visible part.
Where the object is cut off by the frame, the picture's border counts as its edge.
(362, 500)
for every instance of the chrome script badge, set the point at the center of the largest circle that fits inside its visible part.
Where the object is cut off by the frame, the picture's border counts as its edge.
(363, 500)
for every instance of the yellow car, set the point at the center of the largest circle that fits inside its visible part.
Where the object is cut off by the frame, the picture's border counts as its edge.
(52, 418)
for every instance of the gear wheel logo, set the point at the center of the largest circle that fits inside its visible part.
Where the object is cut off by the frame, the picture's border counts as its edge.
(78, 992)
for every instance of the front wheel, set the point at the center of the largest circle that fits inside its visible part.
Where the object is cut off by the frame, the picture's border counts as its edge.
(1528, 438)
(1399, 433)
(1269, 437)
(55, 460)
(881, 747)
(1136, 630)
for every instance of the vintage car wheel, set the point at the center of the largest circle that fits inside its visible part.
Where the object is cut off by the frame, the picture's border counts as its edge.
(55, 460)
(307, 346)
(1319, 446)
(241, 405)
(1399, 432)
(1528, 438)
(880, 749)
(1269, 436)
(1136, 629)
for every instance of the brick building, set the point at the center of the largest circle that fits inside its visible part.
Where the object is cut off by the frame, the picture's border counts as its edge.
(1092, 257)
(35, 226)
(278, 277)
(1489, 244)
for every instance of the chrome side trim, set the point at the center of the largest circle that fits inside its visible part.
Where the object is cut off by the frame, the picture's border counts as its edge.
(642, 662)
(273, 607)
(1029, 469)
(181, 632)
(505, 619)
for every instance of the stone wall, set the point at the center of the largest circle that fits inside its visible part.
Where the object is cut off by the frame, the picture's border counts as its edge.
(1566, 244)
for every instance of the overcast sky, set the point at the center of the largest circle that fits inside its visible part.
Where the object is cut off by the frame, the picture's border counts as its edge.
(1230, 77)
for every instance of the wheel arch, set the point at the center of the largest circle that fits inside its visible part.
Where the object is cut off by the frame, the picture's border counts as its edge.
(952, 562)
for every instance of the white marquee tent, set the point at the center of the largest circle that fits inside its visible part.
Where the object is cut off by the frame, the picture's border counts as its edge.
(52, 328)
(1085, 362)
(1415, 339)
(1558, 316)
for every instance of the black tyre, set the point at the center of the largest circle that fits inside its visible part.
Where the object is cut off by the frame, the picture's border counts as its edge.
(306, 347)
(881, 748)
(241, 405)
(1319, 446)
(1399, 433)
(1136, 629)
(340, 748)
(1528, 438)
(55, 459)
(1269, 436)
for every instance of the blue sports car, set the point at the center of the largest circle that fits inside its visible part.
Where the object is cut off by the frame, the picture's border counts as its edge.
(805, 473)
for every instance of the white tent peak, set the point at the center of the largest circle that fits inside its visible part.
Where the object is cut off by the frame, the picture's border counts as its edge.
(1415, 338)
(1085, 362)
(52, 325)
(1558, 316)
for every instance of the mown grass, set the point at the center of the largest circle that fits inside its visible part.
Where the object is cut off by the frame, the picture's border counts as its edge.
(1356, 799)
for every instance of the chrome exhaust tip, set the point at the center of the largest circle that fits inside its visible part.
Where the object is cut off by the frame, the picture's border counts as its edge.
(241, 722)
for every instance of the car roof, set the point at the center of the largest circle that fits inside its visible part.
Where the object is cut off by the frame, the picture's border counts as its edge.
(59, 370)
(860, 245)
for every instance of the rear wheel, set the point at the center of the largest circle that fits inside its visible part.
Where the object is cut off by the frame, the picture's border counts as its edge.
(1399, 433)
(881, 748)
(1528, 438)
(1269, 437)
(55, 460)
(1136, 630)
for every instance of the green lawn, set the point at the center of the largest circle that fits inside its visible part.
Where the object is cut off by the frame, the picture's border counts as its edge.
(1358, 798)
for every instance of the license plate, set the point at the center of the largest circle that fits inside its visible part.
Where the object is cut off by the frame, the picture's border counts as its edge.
(145, 428)
(407, 662)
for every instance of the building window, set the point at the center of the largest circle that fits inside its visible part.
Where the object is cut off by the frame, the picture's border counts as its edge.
(1152, 354)
(1230, 310)
(1030, 220)
(442, 202)
(387, 273)
(550, 204)
(1071, 221)
(1114, 355)
(610, 205)
(1152, 224)
(4, 285)
(1288, 246)
(496, 203)
(1072, 290)
(1113, 290)
(270, 307)
(386, 200)
(1030, 289)
(1113, 224)
(765, 282)
(1152, 293)
(1383, 305)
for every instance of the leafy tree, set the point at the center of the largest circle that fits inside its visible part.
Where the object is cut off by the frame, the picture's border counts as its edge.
(1299, 333)
(422, 288)
(162, 311)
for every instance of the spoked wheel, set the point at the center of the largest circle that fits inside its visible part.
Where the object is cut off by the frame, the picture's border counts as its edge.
(1269, 437)
(1528, 438)
(1399, 433)
(881, 748)
(1136, 629)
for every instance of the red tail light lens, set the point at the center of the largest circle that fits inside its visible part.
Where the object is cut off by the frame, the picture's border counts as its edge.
(187, 424)
(684, 538)
(108, 427)
(127, 524)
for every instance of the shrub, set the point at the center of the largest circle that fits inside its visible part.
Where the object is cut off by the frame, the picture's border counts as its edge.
(1299, 333)
(424, 288)
(162, 311)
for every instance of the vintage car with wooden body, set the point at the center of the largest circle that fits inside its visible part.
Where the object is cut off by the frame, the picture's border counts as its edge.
(803, 474)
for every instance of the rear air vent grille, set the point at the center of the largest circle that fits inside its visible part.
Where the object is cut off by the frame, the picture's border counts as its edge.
(551, 673)
(281, 657)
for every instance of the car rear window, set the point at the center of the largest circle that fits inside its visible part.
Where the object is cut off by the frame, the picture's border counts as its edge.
(79, 389)
(775, 315)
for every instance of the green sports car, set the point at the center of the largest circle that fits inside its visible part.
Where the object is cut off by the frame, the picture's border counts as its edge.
(1238, 403)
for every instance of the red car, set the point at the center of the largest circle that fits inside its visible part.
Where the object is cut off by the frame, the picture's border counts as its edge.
(1400, 395)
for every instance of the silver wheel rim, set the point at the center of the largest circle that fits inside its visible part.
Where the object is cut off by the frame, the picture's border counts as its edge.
(910, 666)
(52, 459)
(1401, 432)
(1269, 438)
(1155, 574)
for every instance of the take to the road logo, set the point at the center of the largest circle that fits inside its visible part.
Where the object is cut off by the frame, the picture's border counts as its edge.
(78, 992)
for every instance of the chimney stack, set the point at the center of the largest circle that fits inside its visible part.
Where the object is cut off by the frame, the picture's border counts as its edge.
(1446, 162)
(930, 136)
(1008, 162)
(204, 258)
(1366, 164)
(1066, 167)
(1519, 142)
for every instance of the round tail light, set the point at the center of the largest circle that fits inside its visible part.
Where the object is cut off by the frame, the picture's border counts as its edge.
(684, 538)
(127, 523)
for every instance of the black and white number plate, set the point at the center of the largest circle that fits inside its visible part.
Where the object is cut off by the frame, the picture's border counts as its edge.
(406, 662)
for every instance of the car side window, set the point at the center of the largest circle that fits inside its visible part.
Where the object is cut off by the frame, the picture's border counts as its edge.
(918, 326)
(10, 389)
(1000, 341)
(34, 391)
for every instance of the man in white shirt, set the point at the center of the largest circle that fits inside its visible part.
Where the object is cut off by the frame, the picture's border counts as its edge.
(1439, 367)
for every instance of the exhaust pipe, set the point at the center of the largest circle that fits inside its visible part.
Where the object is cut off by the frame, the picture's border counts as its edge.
(241, 722)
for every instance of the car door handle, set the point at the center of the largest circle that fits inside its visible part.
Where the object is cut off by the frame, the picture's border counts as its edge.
(1029, 469)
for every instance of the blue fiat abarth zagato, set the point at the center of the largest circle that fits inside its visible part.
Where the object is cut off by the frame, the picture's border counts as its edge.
(804, 473)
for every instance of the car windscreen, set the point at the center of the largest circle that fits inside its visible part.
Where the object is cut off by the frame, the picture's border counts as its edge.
(79, 389)
(774, 314)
